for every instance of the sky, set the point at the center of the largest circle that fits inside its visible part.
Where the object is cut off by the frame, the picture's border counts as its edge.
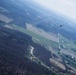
(65, 7)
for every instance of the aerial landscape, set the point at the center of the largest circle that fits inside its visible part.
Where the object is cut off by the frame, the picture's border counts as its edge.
(35, 41)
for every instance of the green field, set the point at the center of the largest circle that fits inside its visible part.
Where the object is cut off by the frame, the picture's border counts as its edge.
(44, 41)
(67, 43)
(36, 38)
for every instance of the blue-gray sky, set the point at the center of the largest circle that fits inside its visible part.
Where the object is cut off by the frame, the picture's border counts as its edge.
(65, 7)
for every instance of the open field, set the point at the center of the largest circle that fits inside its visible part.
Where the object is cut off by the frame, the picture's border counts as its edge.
(35, 37)
(58, 64)
(42, 33)
(47, 42)
(5, 18)
(68, 44)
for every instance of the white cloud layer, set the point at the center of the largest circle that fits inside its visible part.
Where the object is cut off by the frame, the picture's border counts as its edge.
(65, 7)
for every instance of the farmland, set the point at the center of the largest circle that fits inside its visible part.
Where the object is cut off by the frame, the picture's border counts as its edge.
(35, 37)
(5, 18)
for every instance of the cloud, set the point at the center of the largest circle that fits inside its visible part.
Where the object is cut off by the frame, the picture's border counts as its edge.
(65, 7)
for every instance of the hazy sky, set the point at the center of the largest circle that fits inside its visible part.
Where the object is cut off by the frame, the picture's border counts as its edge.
(66, 7)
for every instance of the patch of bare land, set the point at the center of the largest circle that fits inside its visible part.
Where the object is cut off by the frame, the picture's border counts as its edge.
(7, 26)
(42, 33)
(36, 39)
(58, 64)
(53, 52)
(5, 18)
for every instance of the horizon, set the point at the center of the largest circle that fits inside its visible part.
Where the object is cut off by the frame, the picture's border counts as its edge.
(64, 7)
